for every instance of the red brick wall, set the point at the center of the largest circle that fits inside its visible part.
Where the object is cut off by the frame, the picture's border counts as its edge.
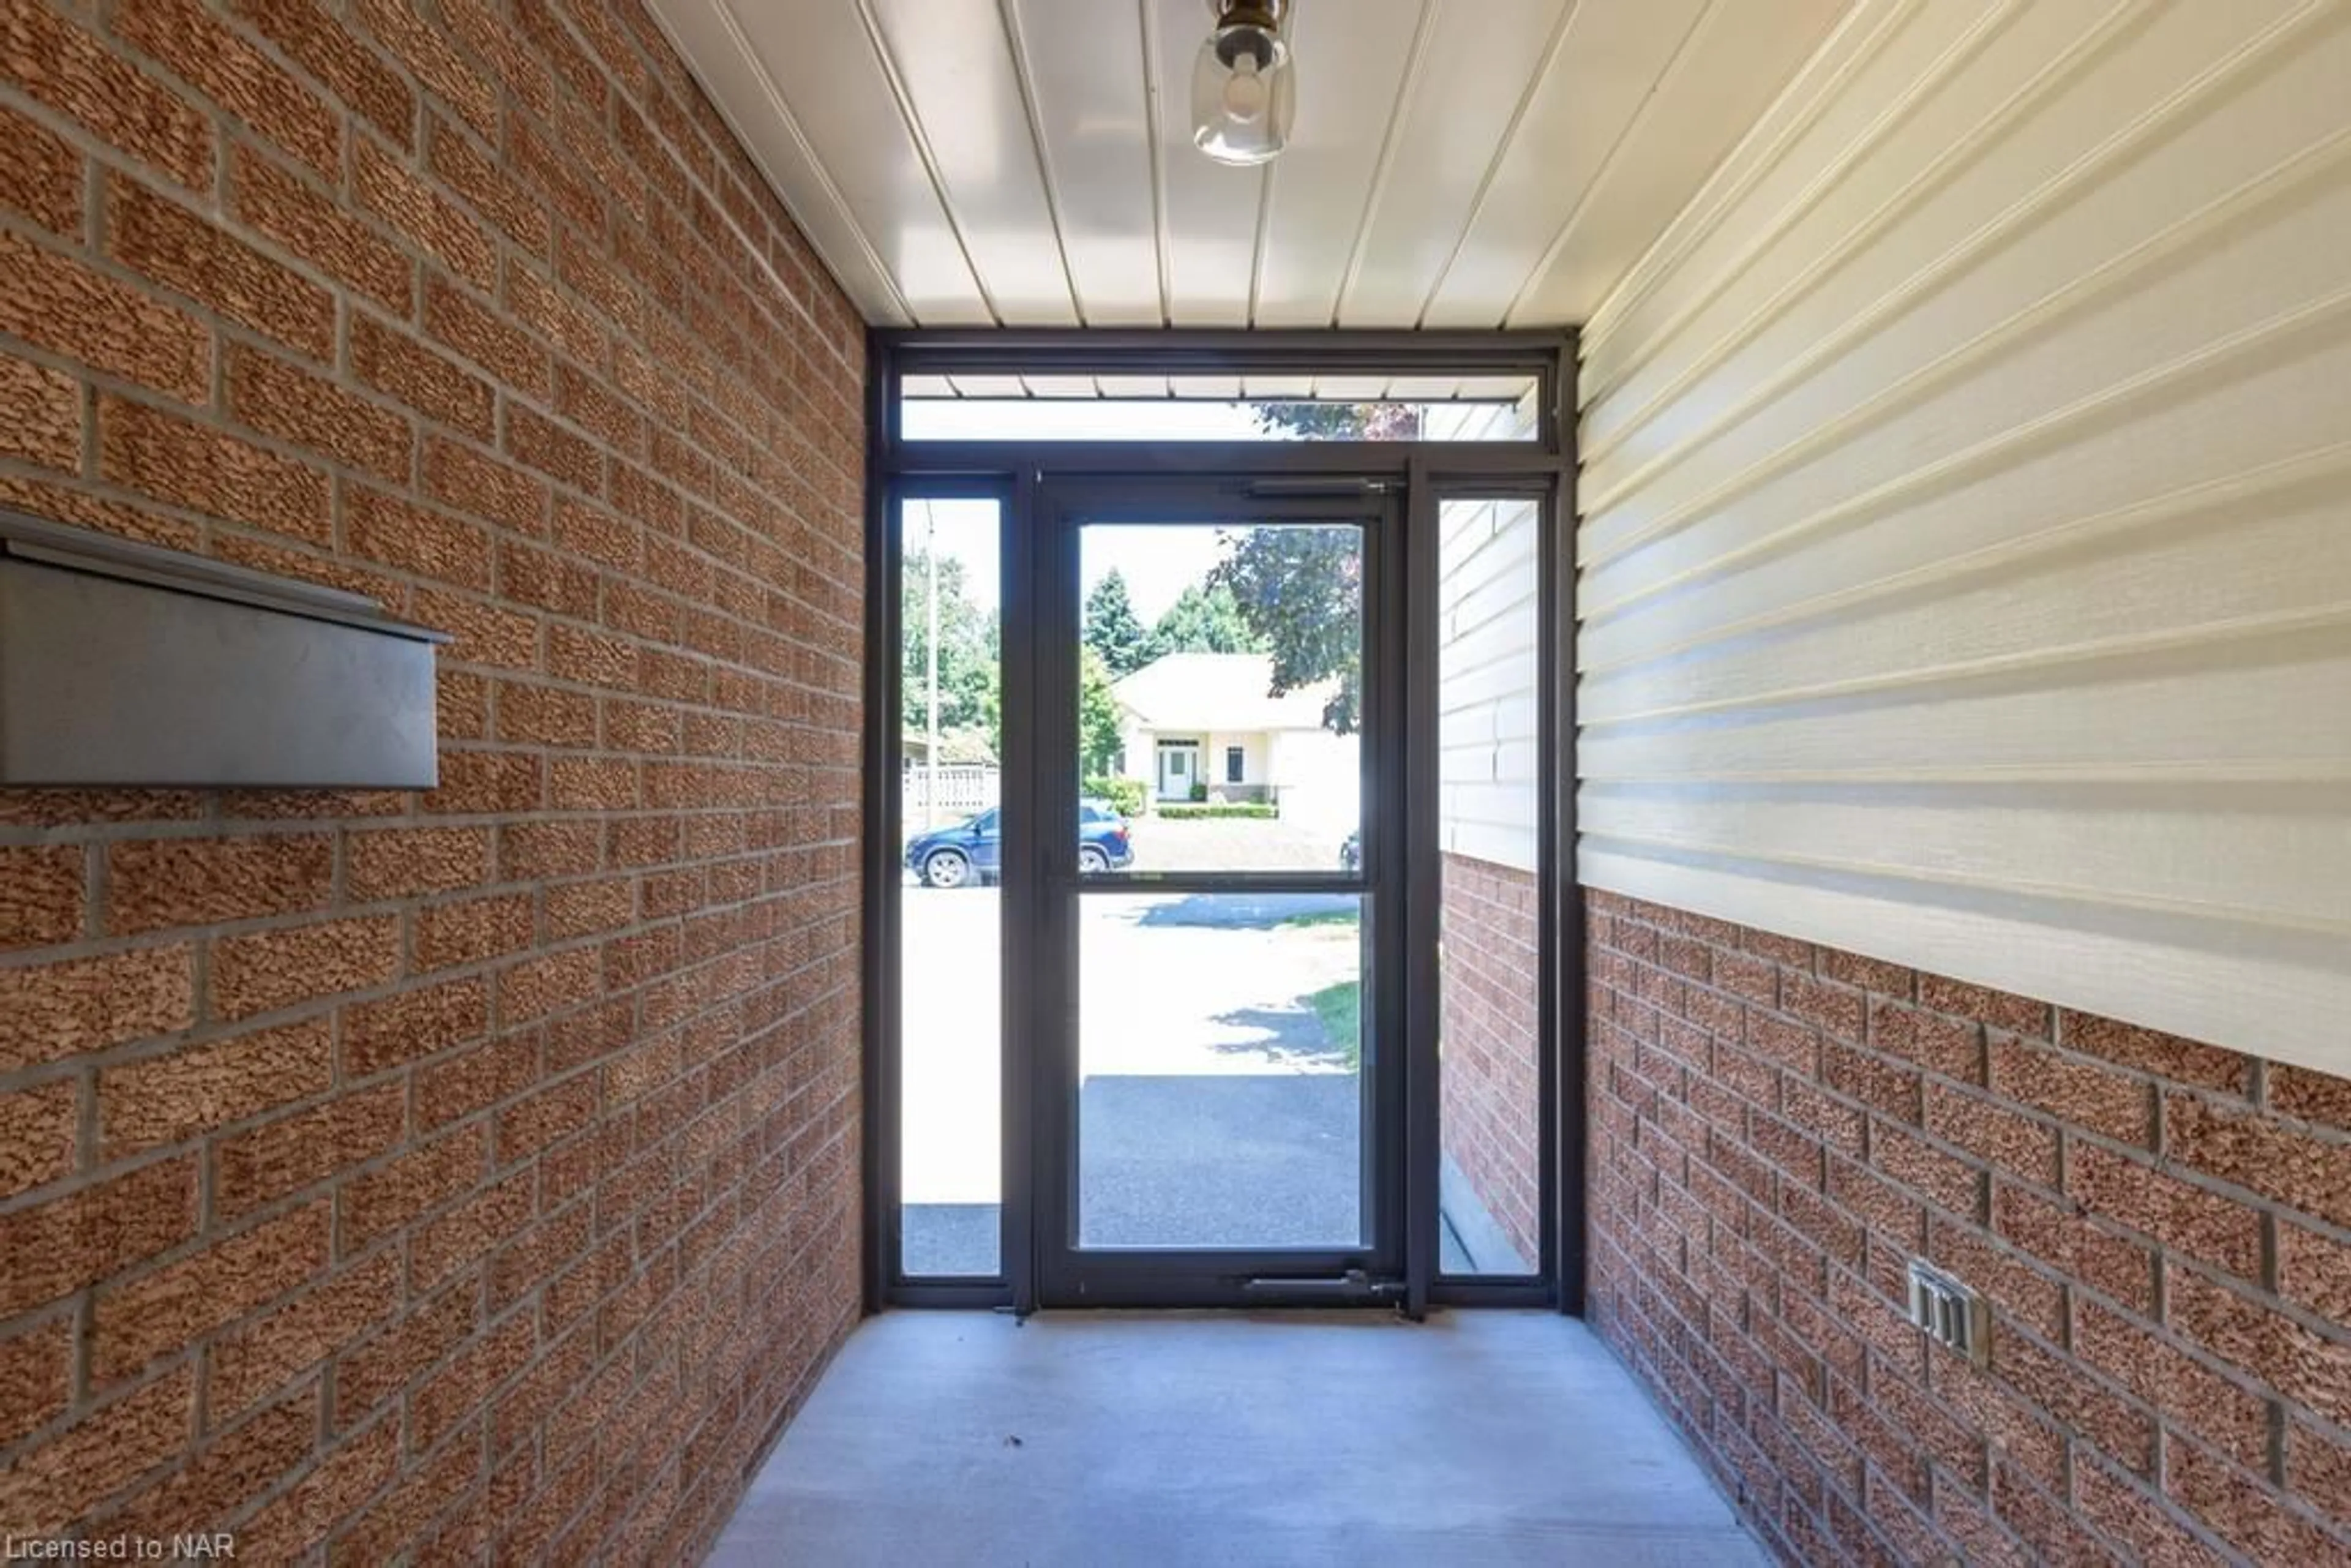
(470, 1172)
(2163, 1229)
(1491, 1034)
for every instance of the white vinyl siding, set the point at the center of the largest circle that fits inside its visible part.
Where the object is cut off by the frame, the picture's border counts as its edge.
(1966, 556)
(1489, 632)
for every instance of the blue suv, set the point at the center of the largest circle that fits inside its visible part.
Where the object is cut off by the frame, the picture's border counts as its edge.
(972, 851)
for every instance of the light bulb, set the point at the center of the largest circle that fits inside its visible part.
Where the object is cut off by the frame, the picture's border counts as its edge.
(1245, 93)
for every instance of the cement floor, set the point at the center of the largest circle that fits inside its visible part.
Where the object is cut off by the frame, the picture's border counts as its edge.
(1104, 1440)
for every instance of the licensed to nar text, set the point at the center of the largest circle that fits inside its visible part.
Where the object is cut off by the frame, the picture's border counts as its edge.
(210, 1548)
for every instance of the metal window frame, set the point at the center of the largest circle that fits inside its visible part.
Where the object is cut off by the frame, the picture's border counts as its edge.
(1014, 474)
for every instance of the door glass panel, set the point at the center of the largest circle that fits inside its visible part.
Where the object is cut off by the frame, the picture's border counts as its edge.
(1221, 1044)
(1488, 811)
(1220, 696)
(949, 956)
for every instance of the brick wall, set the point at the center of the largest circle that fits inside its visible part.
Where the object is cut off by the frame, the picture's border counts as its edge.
(2163, 1227)
(466, 1172)
(1491, 1034)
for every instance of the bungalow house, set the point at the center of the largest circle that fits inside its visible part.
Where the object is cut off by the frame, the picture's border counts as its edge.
(1211, 722)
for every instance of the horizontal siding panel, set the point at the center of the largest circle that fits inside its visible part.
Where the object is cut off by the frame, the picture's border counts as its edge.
(1967, 570)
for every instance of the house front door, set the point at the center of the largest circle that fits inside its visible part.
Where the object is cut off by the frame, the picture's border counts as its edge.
(1178, 767)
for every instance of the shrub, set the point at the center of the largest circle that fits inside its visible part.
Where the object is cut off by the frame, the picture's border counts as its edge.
(1125, 796)
(1200, 790)
(1255, 812)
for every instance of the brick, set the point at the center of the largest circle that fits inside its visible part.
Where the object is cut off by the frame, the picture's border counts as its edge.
(309, 224)
(41, 894)
(412, 539)
(430, 221)
(42, 409)
(194, 257)
(2186, 1392)
(2150, 1051)
(2310, 1369)
(2089, 1096)
(473, 930)
(553, 450)
(159, 1312)
(475, 332)
(2306, 1172)
(460, 163)
(470, 1231)
(1835, 1010)
(542, 985)
(57, 303)
(36, 1367)
(380, 1202)
(400, 863)
(199, 1088)
(227, 1470)
(272, 1351)
(545, 715)
(2114, 1426)
(196, 47)
(2061, 1237)
(413, 1025)
(300, 1517)
(1996, 1009)
(320, 44)
(2124, 1511)
(371, 1373)
(280, 399)
(76, 1006)
(2013, 1145)
(2314, 1272)
(2185, 1218)
(267, 970)
(1946, 1181)
(281, 1157)
(475, 1079)
(1953, 1047)
(210, 471)
(2018, 1291)
(59, 1482)
(1883, 1086)
(39, 1135)
(467, 481)
(482, 633)
(393, 1520)
(59, 64)
(436, 386)
(2241, 1507)
(2308, 1096)
(154, 884)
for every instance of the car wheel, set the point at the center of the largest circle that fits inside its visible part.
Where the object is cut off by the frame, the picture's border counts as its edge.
(1091, 860)
(947, 868)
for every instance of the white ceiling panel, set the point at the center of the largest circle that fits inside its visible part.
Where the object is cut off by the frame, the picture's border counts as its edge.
(1572, 123)
(1323, 184)
(1085, 68)
(949, 63)
(1029, 162)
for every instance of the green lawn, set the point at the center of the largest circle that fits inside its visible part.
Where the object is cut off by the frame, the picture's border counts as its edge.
(1319, 917)
(1341, 1009)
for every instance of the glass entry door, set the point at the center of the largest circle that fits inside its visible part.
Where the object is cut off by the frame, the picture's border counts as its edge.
(1217, 1096)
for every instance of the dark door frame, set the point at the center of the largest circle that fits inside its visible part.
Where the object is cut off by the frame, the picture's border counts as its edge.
(1421, 474)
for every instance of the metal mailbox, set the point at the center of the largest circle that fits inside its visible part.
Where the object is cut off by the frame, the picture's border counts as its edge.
(125, 664)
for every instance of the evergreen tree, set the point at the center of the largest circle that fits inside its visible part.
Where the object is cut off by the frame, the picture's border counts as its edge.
(1113, 629)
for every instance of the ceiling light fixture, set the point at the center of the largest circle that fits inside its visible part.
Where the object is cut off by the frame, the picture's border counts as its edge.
(1243, 87)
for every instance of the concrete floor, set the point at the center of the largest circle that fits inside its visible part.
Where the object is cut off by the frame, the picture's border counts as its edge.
(954, 1438)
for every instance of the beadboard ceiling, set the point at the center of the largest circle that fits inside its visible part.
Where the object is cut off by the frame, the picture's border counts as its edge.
(1455, 164)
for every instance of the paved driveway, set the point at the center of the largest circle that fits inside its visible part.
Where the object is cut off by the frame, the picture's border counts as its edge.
(1215, 1109)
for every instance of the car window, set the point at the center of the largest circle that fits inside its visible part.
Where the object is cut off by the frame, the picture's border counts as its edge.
(983, 823)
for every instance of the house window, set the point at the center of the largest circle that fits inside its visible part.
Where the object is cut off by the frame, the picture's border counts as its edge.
(1233, 765)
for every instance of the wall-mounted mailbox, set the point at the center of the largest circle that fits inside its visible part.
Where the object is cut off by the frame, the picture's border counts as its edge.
(122, 663)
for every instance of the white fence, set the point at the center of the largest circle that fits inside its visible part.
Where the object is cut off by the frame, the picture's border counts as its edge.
(951, 791)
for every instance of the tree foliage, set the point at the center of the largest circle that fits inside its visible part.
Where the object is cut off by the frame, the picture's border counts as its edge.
(1112, 630)
(1098, 736)
(1205, 619)
(968, 651)
(1340, 420)
(1300, 590)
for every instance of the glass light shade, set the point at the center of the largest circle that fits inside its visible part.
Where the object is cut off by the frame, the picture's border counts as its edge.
(1244, 95)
